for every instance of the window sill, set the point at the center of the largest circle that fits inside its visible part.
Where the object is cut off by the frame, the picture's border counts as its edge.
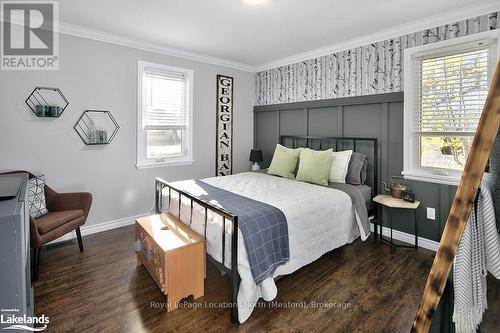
(432, 178)
(153, 164)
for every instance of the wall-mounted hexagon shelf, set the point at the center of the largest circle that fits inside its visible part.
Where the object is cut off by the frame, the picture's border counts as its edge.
(96, 127)
(47, 102)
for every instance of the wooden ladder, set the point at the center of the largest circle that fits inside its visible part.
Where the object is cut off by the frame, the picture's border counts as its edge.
(462, 204)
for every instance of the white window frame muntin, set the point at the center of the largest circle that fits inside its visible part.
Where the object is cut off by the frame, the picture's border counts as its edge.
(141, 160)
(411, 145)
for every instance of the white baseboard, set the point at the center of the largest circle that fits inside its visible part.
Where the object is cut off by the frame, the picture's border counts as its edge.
(100, 227)
(408, 238)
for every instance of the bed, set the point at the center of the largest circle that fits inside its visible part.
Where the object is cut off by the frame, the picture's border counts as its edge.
(319, 219)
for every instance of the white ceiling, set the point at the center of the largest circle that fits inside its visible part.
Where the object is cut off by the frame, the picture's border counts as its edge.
(252, 34)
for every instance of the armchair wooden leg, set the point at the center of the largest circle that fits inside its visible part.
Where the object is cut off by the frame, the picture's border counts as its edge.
(79, 236)
(36, 262)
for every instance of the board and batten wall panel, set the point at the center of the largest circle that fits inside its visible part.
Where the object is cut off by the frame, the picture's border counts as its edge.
(292, 122)
(325, 121)
(266, 134)
(378, 116)
(367, 120)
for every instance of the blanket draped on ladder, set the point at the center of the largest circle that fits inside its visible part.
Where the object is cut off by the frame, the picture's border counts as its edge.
(478, 253)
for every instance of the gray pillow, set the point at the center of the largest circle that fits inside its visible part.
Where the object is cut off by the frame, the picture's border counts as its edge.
(356, 171)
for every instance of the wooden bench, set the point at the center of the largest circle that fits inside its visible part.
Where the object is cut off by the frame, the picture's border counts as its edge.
(173, 254)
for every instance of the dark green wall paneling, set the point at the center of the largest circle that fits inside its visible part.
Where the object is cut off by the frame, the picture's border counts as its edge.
(266, 128)
(395, 138)
(325, 121)
(293, 122)
(379, 116)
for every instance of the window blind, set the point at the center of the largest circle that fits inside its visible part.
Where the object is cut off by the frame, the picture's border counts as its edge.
(451, 92)
(165, 98)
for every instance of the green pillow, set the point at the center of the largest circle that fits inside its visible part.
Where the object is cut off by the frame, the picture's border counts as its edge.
(314, 166)
(284, 162)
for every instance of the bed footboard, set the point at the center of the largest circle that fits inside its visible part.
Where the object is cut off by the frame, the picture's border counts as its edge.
(227, 217)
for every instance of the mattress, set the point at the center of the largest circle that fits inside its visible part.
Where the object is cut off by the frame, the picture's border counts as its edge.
(319, 219)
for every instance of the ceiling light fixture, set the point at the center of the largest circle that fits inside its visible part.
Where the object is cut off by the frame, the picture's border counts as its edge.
(254, 2)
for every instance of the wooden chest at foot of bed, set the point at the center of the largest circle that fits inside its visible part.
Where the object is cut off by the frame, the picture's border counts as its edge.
(173, 254)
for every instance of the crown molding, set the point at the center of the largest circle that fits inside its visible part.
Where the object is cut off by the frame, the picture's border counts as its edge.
(79, 31)
(117, 39)
(400, 30)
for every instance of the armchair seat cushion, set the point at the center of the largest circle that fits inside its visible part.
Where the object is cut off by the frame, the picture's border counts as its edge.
(53, 220)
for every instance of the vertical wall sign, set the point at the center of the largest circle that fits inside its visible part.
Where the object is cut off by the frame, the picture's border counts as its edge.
(224, 139)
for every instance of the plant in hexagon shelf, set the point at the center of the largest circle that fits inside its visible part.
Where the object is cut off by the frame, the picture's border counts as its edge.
(96, 127)
(47, 102)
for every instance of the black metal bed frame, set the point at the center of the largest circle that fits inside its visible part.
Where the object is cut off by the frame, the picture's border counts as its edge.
(232, 272)
(339, 142)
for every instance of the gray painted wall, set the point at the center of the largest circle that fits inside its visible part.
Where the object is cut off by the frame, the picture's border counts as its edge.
(379, 116)
(99, 75)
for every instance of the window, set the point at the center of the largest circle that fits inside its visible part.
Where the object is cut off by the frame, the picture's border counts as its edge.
(164, 133)
(446, 85)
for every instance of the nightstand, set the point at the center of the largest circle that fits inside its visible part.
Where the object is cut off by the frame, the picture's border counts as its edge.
(392, 203)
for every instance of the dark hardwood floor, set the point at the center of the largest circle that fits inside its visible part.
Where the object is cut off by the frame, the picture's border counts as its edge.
(360, 287)
(491, 319)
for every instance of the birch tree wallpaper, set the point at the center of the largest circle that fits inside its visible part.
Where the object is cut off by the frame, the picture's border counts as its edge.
(371, 69)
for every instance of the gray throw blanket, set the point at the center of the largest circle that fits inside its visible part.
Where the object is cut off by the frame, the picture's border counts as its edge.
(359, 205)
(478, 253)
(263, 227)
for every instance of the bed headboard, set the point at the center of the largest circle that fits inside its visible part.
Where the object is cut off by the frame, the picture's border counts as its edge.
(338, 121)
(367, 146)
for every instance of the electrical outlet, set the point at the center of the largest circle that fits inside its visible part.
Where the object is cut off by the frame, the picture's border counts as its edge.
(431, 213)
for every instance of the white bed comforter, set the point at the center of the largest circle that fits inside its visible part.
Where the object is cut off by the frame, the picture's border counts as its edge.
(319, 219)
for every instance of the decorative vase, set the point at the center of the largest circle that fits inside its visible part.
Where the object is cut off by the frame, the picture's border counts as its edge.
(102, 136)
(54, 110)
(93, 138)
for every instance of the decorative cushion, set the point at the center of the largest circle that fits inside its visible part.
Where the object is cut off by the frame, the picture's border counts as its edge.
(284, 162)
(51, 221)
(356, 172)
(314, 166)
(37, 197)
(339, 166)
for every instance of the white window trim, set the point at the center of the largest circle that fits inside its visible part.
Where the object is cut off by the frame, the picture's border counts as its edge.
(142, 162)
(412, 168)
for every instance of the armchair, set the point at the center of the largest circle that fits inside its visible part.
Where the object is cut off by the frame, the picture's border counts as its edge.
(67, 212)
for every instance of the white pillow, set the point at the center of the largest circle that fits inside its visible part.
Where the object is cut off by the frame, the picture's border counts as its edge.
(339, 166)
